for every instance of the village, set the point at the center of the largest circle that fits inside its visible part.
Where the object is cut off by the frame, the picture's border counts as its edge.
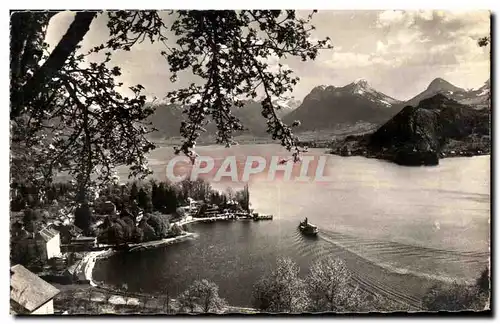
(54, 253)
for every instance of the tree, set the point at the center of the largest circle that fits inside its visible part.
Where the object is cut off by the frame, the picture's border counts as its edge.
(148, 231)
(144, 200)
(243, 198)
(67, 115)
(155, 200)
(83, 217)
(175, 230)
(202, 294)
(329, 288)
(483, 282)
(159, 224)
(459, 297)
(171, 200)
(29, 219)
(134, 192)
(282, 290)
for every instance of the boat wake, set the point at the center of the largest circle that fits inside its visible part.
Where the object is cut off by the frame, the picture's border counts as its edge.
(420, 261)
(394, 270)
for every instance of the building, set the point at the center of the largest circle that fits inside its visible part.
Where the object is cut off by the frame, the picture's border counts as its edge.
(66, 232)
(51, 242)
(84, 241)
(29, 294)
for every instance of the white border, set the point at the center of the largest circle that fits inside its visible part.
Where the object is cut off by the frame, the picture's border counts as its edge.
(190, 4)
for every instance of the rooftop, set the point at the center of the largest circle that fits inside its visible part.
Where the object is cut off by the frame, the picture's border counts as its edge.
(28, 290)
(48, 233)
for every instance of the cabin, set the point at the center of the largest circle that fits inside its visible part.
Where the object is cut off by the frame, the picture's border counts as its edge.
(29, 294)
(50, 242)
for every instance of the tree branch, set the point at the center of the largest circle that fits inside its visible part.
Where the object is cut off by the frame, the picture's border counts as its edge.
(67, 45)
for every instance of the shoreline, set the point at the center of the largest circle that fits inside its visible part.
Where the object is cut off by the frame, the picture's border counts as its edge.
(90, 259)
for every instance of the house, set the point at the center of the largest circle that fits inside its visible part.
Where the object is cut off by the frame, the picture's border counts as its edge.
(29, 294)
(51, 242)
(84, 241)
(66, 232)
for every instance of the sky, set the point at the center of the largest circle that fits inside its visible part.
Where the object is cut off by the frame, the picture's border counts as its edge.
(397, 52)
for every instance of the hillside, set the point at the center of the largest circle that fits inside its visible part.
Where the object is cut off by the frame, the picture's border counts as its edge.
(167, 120)
(327, 107)
(437, 127)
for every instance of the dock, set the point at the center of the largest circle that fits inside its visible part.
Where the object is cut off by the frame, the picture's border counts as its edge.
(227, 217)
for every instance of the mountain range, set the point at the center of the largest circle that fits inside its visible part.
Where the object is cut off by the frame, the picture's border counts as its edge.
(328, 107)
(437, 127)
(167, 117)
(478, 98)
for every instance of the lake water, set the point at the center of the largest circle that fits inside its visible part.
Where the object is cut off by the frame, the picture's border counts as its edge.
(399, 229)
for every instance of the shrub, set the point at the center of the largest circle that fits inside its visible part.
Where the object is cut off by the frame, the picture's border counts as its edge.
(202, 295)
(329, 289)
(282, 290)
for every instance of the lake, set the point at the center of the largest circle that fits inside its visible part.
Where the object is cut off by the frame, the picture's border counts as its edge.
(399, 229)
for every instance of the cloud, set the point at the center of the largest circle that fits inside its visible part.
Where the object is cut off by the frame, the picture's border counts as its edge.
(398, 51)
(390, 18)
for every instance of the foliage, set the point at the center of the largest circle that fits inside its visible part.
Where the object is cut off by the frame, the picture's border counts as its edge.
(83, 217)
(30, 217)
(175, 230)
(459, 297)
(163, 197)
(230, 50)
(155, 225)
(484, 41)
(134, 192)
(282, 290)
(159, 223)
(202, 295)
(148, 231)
(243, 198)
(197, 190)
(67, 114)
(144, 200)
(329, 289)
(24, 251)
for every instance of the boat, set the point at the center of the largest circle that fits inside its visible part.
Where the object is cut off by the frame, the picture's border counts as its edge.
(308, 229)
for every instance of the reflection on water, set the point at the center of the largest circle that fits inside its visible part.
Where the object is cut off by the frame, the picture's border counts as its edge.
(397, 228)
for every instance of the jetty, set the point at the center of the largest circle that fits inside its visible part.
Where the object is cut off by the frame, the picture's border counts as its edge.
(226, 217)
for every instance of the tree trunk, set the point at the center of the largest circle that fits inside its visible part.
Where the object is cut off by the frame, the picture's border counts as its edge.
(66, 46)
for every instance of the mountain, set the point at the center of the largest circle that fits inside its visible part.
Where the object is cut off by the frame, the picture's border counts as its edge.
(167, 120)
(420, 135)
(168, 117)
(286, 106)
(326, 107)
(477, 98)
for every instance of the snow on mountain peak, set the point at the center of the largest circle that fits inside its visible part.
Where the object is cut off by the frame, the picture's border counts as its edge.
(361, 82)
